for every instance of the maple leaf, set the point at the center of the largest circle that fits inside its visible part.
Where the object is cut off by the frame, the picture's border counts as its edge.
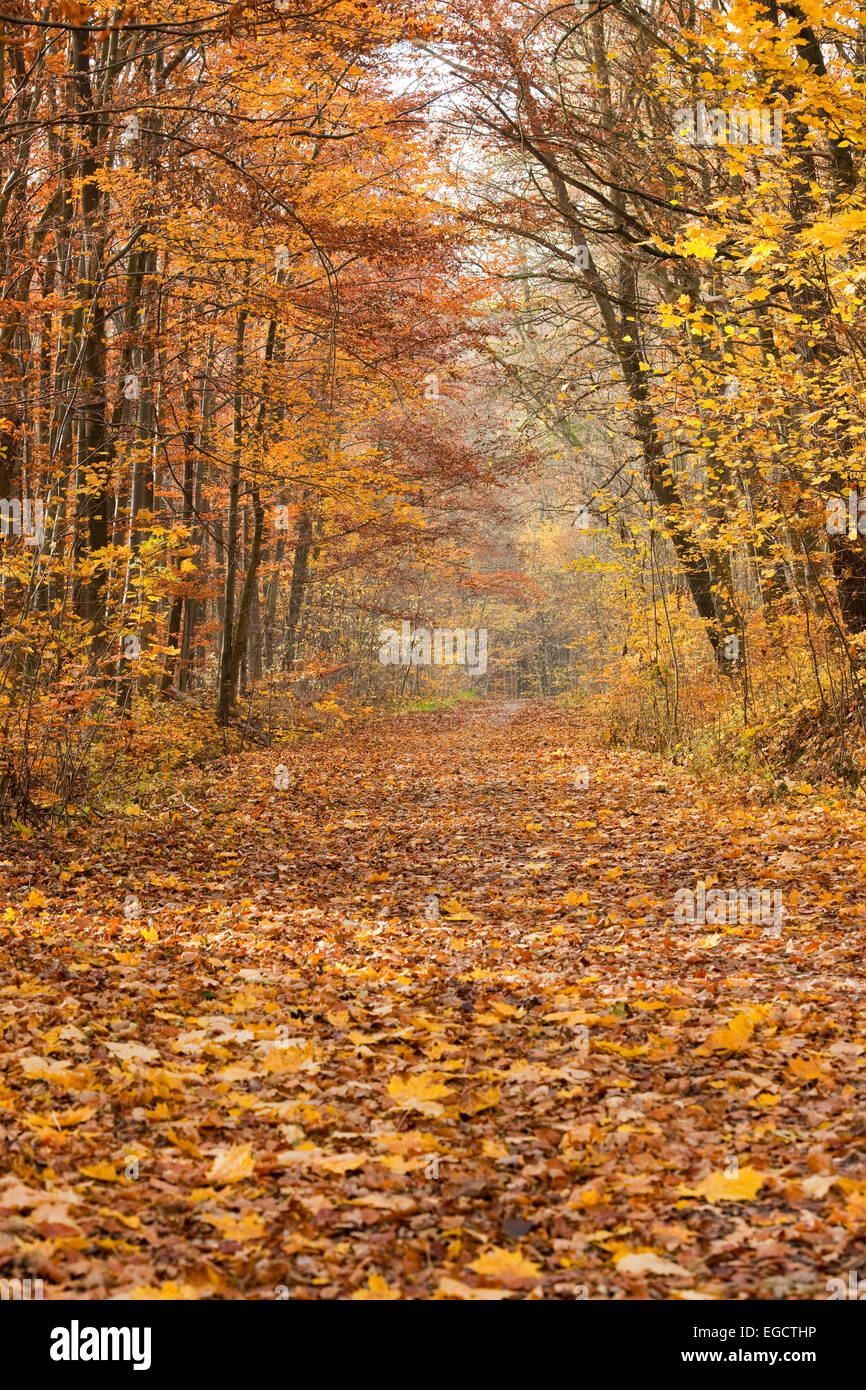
(377, 1290)
(805, 1069)
(418, 1092)
(47, 1069)
(737, 1034)
(698, 245)
(510, 1267)
(291, 1059)
(718, 1187)
(231, 1165)
(249, 1226)
(455, 912)
(410, 1141)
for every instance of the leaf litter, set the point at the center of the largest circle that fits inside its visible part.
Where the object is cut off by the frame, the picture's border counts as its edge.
(278, 1076)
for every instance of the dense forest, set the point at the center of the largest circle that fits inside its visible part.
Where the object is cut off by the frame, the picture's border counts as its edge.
(432, 449)
(541, 321)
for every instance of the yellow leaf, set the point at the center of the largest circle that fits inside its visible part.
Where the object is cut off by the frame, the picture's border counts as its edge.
(291, 1059)
(410, 1141)
(737, 1034)
(377, 1290)
(232, 1165)
(250, 1226)
(801, 1069)
(576, 899)
(700, 247)
(716, 1187)
(102, 1172)
(47, 1069)
(150, 934)
(854, 1214)
(169, 1290)
(76, 1115)
(636, 1050)
(509, 1266)
(421, 1092)
(133, 1222)
(454, 911)
(183, 1144)
(35, 900)
(491, 1148)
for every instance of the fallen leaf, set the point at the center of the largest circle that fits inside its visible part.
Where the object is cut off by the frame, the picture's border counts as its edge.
(454, 1288)
(510, 1267)
(377, 1290)
(231, 1165)
(645, 1262)
(717, 1187)
(418, 1092)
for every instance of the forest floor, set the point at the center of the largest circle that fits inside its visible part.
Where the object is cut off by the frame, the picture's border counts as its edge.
(286, 1077)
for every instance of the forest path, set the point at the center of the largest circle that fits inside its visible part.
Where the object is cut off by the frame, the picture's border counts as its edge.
(286, 1072)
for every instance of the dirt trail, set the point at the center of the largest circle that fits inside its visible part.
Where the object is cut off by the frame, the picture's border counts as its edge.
(287, 1073)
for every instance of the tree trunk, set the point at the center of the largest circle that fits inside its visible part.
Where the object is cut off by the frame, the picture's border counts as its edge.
(300, 569)
(228, 667)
